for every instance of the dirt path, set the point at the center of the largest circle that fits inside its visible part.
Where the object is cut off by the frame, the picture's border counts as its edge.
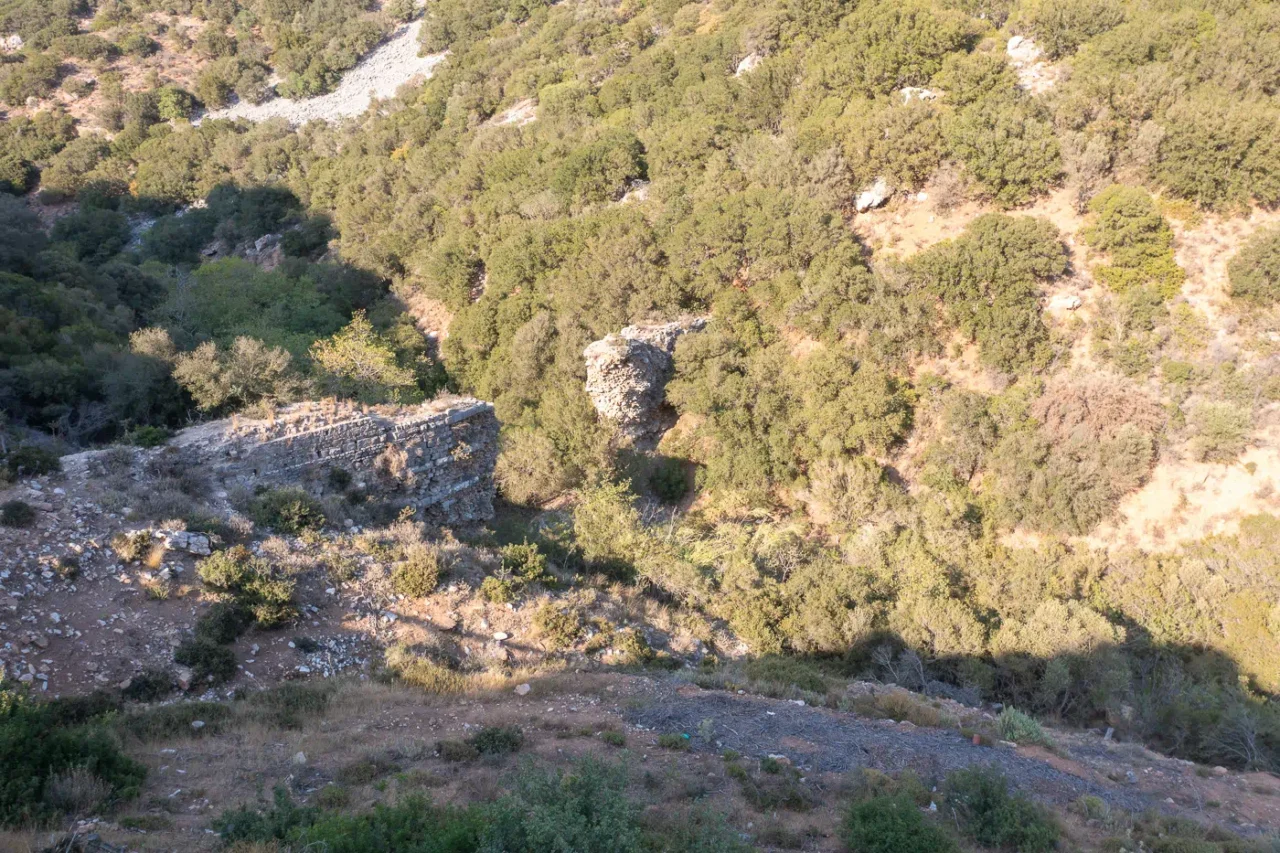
(378, 75)
(818, 740)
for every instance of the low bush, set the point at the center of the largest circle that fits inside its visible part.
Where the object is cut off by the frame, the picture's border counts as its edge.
(1016, 726)
(223, 622)
(132, 545)
(992, 816)
(776, 786)
(422, 672)
(418, 574)
(289, 705)
(252, 585)
(670, 480)
(50, 765)
(149, 685)
(558, 626)
(1254, 273)
(497, 740)
(362, 771)
(287, 511)
(892, 824)
(209, 661)
(456, 751)
(17, 514)
(31, 461)
(164, 722)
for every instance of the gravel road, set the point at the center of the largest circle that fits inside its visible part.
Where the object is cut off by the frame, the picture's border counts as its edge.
(816, 739)
(389, 66)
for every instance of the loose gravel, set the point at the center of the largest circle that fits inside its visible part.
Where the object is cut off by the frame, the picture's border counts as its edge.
(819, 740)
(388, 67)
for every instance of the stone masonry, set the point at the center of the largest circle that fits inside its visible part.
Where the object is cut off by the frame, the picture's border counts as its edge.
(437, 456)
(627, 374)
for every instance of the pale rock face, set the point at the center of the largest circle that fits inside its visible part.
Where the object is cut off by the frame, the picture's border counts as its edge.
(1035, 75)
(627, 374)
(748, 64)
(873, 196)
(915, 93)
(183, 540)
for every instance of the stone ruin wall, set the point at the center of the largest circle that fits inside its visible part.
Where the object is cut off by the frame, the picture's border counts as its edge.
(438, 456)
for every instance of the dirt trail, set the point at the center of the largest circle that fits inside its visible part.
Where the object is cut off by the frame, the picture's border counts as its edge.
(391, 65)
(818, 740)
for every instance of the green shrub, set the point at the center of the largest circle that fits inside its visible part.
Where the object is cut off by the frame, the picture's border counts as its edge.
(1129, 227)
(559, 626)
(364, 770)
(223, 622)
(1013, 725)
(36, 749)
(132, 545)
(496, 590)
(1221, 431)
(148, 436)
(17, 513)
(679, 742)
(526, 564)
(16, 175)
(252, 584)
(613, 738)
(775, 674)
(31, 461)
(1254, 272)
(457, 751)
(670, 480)
(149, 685)
(1061, 26)
(209, 661)
(164, 722)
(584, 810)
(993, 817)
(892, 824)
(289, 705)
(287, 511)
(497, 740)
(418, 574)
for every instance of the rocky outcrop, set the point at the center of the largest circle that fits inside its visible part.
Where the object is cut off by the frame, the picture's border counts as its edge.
(1034, 74)
(627, 374)
(873, 196)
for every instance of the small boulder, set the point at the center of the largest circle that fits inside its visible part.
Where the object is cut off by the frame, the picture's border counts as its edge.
(523, 690)
(873, 196)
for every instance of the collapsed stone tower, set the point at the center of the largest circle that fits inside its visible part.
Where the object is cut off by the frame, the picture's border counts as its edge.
(627, 374)
(437, 456)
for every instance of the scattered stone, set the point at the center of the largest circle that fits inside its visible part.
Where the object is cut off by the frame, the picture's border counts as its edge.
(300, 758)
(500, 635)
(197, 724)
(916, 93)
(197, 544)
(523, 690)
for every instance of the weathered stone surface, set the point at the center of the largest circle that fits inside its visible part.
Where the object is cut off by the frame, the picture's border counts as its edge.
(182, 540)
(873, 196)
(627, 373)
(438, 456)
